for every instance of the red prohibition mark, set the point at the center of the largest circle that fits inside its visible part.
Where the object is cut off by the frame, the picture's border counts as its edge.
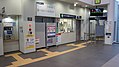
(30, 25)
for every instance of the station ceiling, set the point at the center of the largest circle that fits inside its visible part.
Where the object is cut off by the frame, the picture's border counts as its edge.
(82, 4)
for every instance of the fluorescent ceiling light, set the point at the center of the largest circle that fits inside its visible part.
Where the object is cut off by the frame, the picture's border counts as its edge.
(8, 19)
(86, 5)
(75, 3)
(117, 0)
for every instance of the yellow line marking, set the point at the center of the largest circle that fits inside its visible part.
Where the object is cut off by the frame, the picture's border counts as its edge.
(50, 54)
(15, 64)
(18, 58)
(12, 54)
(45, 50)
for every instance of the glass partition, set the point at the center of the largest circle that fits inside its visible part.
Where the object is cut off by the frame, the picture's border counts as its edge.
(66, 25)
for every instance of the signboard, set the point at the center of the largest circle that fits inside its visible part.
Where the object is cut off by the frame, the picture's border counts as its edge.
(44, 9)
(8, 24)
(97, 1)
(67, 16)
(70, 16)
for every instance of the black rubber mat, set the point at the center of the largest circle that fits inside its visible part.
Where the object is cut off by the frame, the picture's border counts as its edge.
(6, 61)
(61, 48)
(33, 55)
(91, 56)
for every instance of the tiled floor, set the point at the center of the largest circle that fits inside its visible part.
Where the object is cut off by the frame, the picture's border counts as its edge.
(33, 55)
(5, 61)
(70, 55)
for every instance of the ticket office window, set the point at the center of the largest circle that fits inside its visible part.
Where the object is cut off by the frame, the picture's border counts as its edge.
(66, 25)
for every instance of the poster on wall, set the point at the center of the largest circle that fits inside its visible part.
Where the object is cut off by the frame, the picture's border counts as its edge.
(30, 43)
(49, 40)
(44, 9)
(108, 29)
(58, 38)
(30, 40)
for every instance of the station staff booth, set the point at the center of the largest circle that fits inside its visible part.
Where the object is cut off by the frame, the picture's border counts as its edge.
(69, 28)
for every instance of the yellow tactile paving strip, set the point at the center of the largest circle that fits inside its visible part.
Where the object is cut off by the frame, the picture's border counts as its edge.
(20, 61)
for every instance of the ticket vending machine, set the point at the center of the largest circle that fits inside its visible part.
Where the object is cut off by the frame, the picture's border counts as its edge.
(8, 33)
(45, 31)
(51, 34)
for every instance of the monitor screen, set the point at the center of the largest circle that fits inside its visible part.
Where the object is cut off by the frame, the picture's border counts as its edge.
(96, 12)
(9, 32)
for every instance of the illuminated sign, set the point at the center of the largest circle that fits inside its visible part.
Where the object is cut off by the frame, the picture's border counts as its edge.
(97, 1)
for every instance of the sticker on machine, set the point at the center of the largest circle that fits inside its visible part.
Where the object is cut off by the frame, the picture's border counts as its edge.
(30, 44)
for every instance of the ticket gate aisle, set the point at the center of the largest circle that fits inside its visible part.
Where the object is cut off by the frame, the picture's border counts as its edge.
(45, 31)
(97, 28)
(10, 34)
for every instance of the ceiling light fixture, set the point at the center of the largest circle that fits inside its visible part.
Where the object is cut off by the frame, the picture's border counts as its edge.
(86, 5)
(75, 3)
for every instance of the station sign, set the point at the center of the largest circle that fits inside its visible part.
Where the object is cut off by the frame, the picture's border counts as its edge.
(97, 1)
(45, 9)
(69, 16)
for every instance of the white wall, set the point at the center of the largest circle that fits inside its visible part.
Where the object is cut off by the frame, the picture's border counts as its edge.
(1, 40)
(87, 1)
(117, 22)
(62, 7)
(12, 7)
(28, 10)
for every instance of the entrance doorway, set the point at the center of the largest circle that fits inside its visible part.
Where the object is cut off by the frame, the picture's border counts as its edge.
(97, 28)
(78, 30)
(10, 34)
